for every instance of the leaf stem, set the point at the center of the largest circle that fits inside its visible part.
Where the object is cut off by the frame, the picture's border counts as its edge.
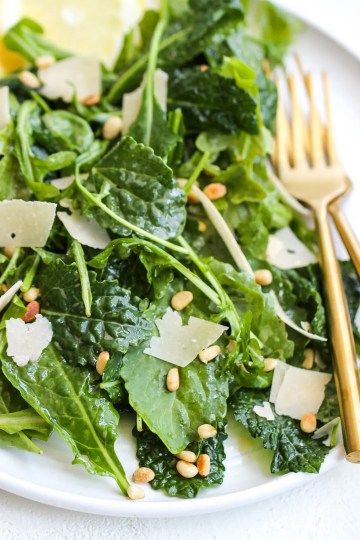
(30, 274)
(10, 266)
(196, 172)
(86, 294)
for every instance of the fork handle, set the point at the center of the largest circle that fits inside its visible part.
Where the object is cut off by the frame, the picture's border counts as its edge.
(342, 340)
(347, 234)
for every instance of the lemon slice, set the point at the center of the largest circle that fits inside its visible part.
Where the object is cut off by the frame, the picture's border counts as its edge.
(92, 28)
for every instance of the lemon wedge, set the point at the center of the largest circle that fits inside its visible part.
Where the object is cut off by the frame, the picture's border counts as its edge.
(91, 28)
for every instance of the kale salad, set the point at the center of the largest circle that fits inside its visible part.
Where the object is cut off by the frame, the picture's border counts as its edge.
(151, 265)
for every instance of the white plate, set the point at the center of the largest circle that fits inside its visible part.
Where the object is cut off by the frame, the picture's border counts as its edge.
(52, 479)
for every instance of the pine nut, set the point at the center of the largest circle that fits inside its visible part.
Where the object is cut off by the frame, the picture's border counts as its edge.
(209, 354)
(93, 99)
(135, 493)
(31, 294)
(29, 79)
(32, 309)
(112, 127)
(231, 346)
(187, 470)
(9, 251)
(101, 362)
(203, 68)
(187, 455)
(269, 364)
(263, 277)
(181, 299)
(215, 191)
(45, 61)
(143, 475)
(202, 227)
(309, 357)
(192, 198)
(203, 464)
(305, 325)
(172, 379)
(205, 431)
(308, 423)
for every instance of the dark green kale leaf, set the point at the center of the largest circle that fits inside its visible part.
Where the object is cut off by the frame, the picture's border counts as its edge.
(65, 397)
(116, 321)
(210, 101)
(352, 290)
(152, 453)
(65, 131)
(138, 186)
(294, 450)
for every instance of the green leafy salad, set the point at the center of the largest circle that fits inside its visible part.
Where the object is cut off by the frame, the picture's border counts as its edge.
(151, 266)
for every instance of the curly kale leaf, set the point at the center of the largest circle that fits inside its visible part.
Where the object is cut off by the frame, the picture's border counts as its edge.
(294, 450)
(151, 452)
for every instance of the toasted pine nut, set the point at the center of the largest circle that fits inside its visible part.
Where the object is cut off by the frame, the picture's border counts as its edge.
(209, 354)
(203, 68)
(9, 251)
(309, 357)
(143, 475)
(32, 309)
(192, 198)
(202, 227)
(93, 99)
(187, 455)
(181, 299)
(135, 493)
(263, 277)
(308, 423)
(29, 79)
(269, 364)
(112, 127)
(203, 464)
(44, 61)
(172, 379)
(187, 470)
(205, 431)
(31, 294)
(215, 191)
(101, 362)
(231, 346)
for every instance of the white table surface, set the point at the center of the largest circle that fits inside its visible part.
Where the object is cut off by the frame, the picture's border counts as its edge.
(327, 508)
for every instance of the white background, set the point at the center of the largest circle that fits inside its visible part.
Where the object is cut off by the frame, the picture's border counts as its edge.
(327, 508)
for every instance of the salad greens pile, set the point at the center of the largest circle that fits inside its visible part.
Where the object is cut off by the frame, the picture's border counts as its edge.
(217, 128)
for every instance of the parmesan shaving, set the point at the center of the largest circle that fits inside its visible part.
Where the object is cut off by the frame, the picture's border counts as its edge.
(265, 411)
(25, 223)
(85, 230)
(4, 107)
(26, 341)
(66, 181)
(296, 391)
(77, 75)
(6, 298)
(178, 344)
(132, 100)
(286, 251)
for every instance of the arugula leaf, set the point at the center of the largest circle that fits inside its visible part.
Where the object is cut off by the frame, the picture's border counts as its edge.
(139, 186)
(12, 183)
(152, 453)
(26, 38)
(64, 396)
(24, 420)
(294, 450)
(115, 323)
(209, 101)
(66, 131)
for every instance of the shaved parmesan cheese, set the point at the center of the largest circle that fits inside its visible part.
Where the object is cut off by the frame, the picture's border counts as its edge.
(85, 230)
(26, 341)
(286, 251)
(223, 230)
(25, 223)
(286, 196)
(330, 431)
(180, 344)
(132, 100)
(77, 75)
(4, 107)
(289, 322)
(6, 298)
(66, 181)
(297, 391)
(265, 411)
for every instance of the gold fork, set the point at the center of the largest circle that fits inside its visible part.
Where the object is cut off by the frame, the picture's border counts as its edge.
(304, 160)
